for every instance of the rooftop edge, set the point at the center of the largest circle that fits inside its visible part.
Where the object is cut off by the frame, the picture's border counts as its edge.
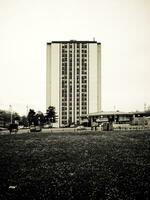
(74, 41)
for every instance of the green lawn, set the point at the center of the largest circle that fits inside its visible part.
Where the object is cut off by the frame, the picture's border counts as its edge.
(67, 166)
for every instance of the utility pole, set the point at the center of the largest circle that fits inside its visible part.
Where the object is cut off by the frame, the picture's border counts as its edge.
(145, 106)
(114, 108)
(27, 109)
(10, 108)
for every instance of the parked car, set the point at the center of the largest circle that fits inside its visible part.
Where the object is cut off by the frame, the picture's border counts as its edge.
(73, 126)
(47, 126)
(34, 128)
(13, 127)
(81, 128)
(63, 126)
(20, 127)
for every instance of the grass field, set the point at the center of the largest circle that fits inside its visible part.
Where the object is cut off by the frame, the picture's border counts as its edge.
(67, 166)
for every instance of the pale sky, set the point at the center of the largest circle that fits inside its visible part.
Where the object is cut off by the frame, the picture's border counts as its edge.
(122, 27)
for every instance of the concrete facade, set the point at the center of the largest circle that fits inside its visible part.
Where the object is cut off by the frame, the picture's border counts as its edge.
(73, 79)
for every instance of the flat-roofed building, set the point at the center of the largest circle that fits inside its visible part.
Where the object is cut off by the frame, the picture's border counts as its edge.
(73, 83)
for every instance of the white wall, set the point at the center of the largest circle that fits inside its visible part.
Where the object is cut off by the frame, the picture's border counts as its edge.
(99, 78)
(53, 76)
(48, 79)
(93, 78)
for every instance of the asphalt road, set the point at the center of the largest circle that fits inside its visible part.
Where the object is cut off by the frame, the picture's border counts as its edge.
(51, 130)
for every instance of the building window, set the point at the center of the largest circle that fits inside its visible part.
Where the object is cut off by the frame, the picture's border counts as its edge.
(84, 45)
(84, 72)
(64, 104)
(83, 107)
(84, 90)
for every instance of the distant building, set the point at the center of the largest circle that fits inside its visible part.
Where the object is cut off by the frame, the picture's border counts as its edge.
(134, 118)
(73, 83)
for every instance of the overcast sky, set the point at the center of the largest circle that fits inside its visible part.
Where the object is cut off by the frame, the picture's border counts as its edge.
(122, 27)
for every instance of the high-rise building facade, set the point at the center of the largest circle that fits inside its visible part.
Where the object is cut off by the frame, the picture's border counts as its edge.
(73, 83)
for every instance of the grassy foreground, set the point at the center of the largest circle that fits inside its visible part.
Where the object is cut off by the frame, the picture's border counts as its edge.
(71, 166)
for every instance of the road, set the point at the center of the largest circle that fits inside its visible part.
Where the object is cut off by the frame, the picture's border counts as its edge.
(21, 131)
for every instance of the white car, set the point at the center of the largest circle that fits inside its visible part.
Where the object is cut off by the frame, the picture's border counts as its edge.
(81, 128)
(35, 128)
(20, 127)
(47, 126)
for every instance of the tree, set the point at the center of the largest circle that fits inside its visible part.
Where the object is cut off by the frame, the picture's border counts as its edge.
(39, 118)
(16, 117)
(5, 117)
(24, 121)
(50, 114)
(36, 118)
(31, 116)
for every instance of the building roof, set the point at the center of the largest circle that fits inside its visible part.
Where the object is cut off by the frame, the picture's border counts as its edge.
(109, 113)
(74, 41)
